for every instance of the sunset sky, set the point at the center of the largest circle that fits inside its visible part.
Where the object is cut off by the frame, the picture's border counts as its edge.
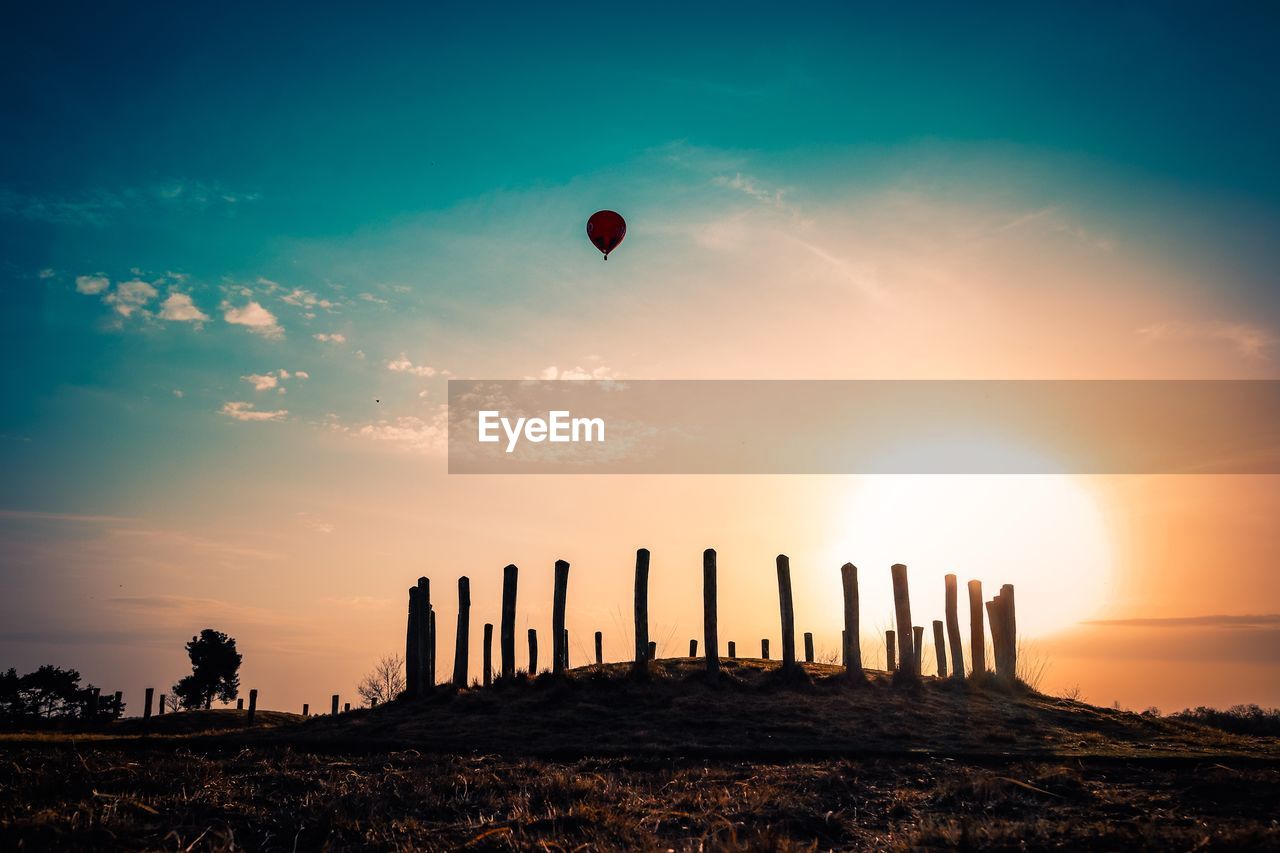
(242, 252)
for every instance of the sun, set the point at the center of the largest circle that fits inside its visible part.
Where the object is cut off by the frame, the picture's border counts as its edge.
(1046, 535)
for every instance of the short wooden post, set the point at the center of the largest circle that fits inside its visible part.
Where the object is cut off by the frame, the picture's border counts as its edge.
(425, 674)
(953, 628)
(411, 645)
(653, 650)
(118, 707)
(710, 617)
(533, 651)
(764, 649)
(146, 706)
(850, 642)
(510, 575)
(891, 651)
(1010, 629)
(334, 705)
(599, 648)
(977, 637)
(431, 650)
(306, 710)
(788, 613)
(560, 653)
(253, 707)
(693, 648)
(642, 653)
(240, 704)
(462, 639)
(917, 638)
(160, 707)
(940, 648)
(487, 676)
(733, 650)
(902, 607)
(808, 647)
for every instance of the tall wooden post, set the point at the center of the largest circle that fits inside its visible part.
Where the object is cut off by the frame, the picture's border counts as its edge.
(533, 652)
(808, 647)
(788, 613)
(160, 707)
(997, 639)
(917, 638)
(333, 705)
(431, 649)
(460, 661)
(487, 676)
(558, 641)
(599, 648)
(1010, 628)
(253, 706)
(146, 707)
(510, 575)
(642, 610)
(764, 649)
(850, 642)
(953, 628)
(940, 648)
(710, 618)
(977, 638)
(423, 656)
(733, 650)
(411, 645)
(891, 650)
(902, 607)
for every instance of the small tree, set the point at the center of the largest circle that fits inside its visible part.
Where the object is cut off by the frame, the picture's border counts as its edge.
(215, 671)
(51, 691)
(385, 683)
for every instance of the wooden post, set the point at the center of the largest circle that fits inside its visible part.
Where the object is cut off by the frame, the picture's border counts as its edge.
(788, 613)
(334, 705)
(940, 648)
(160, 707)
(118, 708)
(422, 656)
(460, 661)
(411, 645)
(566, 648)
(488, 654)
(146, 707)
(306, 710)
(431, 649)
(764, 649)
(1010, 629)
(510, 575)
(533, 652)
(953, 628)
(902, 607)
(92, 703)
(997, 638)
(558, 640)
(710, 617)
(891, 651)
(240, 704)
(643, 654)
(977, 638)
(693, 648)
(850, 641)
(733, 650)
(346, 707)
(808, 647)
(653, 650)
(253, 707)
(917, 637)
(599, 648)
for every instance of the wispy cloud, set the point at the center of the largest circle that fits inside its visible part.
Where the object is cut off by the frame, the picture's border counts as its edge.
(245, 411)
(330, 337)
(1261, 620)
(404, 365)
(91, 285)
(99, 206)
(424, 434)
(1250, 341)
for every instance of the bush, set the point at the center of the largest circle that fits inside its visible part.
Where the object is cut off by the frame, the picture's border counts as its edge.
(1239, 719)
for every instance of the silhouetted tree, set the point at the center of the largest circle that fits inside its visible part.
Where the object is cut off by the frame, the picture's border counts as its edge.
(49, 691)
(215, 671)
(385, 683)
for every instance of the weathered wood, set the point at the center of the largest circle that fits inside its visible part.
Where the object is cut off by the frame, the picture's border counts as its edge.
(533, 651)
(463, 636)
(487, 675)
(431, 649)
(411, 645)
(560, 652)
(733, 650)
(1010, 628)
(902, 609)
(510, 575)
(891, 650)
(642, 654)
(977, 636)
(850, 642)
(710, 618)
(940, 648)
(253, 706)
(652, 651)
(333, 705)
(808, 647)
(788, 613)
(240, 704)
(424, 680)
(997, 637)
(953, 628)
(693, 648)
(146, 707)
(306, 710)
(764, 649)
(917, 638)
(599, 648)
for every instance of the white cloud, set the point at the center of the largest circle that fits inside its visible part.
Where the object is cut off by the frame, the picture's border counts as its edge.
(129, 296)
(261, 381)
(301, 374)
(554, 372)
(304, 298)
(46, 274)
(179, 308)
(257, 319)
(243, 411)
(92, 284)
(404, 365)
(330, 338)
(369, 297)
(1251, 342)
(428, 435)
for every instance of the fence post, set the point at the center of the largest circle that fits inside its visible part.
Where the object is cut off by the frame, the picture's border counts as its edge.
(253, 707)
(411, 645)
(510, 575)
(160, 707)
(460, 661)
(91, 704)
(306, 710)
(146, 708)
(902, 607)
(488, 654)
(431, 650)
(653, 650)
(240, 704)
(533, 652)
(788, 613)
(977, 638)
(693, 648)
(917, 637)
(764, 649)
(1010, 629)
(642, 610)
(710, 617)
(566, 648)
(997, 637)
(119, 706)
(560, 646)
(599, 648)
(939, 648)
(953, 628)
(423, 633)
(891, 650)
(733, 650)
(346, 707)
(334, 705)
(850, 641)
(808, 647)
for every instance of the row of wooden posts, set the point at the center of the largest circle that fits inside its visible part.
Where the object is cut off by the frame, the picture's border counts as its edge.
(904, 645)
(252, 710)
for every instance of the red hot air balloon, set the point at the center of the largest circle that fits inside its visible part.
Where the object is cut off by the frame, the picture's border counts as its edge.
(606, 230)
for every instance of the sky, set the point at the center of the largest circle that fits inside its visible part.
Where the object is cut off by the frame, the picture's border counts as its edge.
(242, 252)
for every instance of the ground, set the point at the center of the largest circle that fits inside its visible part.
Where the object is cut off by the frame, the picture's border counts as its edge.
(603, 761)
